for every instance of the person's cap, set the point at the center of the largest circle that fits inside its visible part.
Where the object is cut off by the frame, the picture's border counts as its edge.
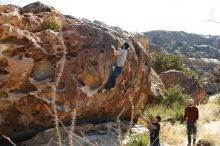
(158, 118)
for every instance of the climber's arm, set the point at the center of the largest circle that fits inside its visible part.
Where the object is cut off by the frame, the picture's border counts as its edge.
(115, 53)
(142, 117)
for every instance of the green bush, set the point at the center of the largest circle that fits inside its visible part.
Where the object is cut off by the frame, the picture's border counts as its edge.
(139, 140)
(188, 72)
(175, 95)
(175, 111)
(163, 62)
(52, 23)
(172, 107)
(178, 111)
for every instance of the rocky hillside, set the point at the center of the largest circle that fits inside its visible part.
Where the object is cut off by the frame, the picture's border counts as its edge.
(202, 53)
(187, 44)
(213, 82)
(52, 65)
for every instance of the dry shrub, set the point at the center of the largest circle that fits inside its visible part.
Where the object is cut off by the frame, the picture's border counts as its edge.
(139, 140)
(208, 112)
(52, 23)
(72, 128)
(173, 135)
(208, 129)
(208, 138)
(61, 66)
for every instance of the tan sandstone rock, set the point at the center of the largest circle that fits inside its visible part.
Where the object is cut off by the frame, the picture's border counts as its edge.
(191, 87)
(10, 14)
(213, 82)
(30, 65)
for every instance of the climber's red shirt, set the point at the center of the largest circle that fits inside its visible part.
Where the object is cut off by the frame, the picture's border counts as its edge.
(191, 114)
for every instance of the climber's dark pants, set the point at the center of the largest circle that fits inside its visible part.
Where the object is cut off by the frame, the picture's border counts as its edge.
(154, 142)
(191, 132)
(113, 76)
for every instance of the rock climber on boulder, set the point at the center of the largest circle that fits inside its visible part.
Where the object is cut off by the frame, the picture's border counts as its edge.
(121, 58)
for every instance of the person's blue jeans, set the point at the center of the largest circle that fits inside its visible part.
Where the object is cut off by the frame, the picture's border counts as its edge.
(113, 76)
(191, 132)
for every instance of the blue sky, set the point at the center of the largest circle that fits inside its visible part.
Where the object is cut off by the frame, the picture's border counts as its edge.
(143, 15)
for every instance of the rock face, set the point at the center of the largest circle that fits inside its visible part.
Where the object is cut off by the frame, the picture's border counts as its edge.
(191, 87)
(202, 66)
(36, 7)
(155, 92)
(104, 134)
(213, 84)
(10, 14)
(79, 56)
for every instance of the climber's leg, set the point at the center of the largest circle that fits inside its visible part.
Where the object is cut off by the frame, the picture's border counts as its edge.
(118, 71)
(111, 78)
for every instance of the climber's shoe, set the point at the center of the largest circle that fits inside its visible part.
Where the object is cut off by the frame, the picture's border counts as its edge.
(101, 92)
(104, 90)
(111, 90)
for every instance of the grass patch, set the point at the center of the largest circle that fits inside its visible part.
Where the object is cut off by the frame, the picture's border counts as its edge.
(175, 96)
(139, 140)
(207, 139)
(217, 100)
(175, 112)
(52, 23)
(172, 107)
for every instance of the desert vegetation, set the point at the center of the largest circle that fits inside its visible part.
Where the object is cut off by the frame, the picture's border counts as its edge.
(172, 106)
(171, 110)
(139, 140)
(53, 65)
(163, 62)
(172, 115)
(52, 23)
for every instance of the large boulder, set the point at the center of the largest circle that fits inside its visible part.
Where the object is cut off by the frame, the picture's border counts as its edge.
(10, 14)
(31, 22)
(41, 71)
(212, 85)
(104, 134)
(157, 88)
(36, 7)
(190, 85)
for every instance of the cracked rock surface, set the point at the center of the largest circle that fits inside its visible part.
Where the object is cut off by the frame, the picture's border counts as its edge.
(30, 62)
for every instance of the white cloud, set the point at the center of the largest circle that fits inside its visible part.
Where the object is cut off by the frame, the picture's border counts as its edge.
(143, 15)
